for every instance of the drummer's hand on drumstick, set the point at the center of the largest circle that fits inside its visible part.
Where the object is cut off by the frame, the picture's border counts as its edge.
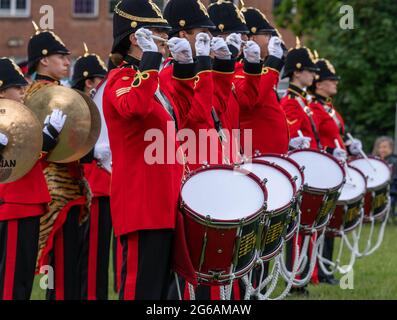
(300, 142)
(234, 43)
(355, 145)
(181, 50)
(220, 48)
(203, 44)
(54, 123)
(3, 140)
(144, 38)
(252, 52)
(339, 153)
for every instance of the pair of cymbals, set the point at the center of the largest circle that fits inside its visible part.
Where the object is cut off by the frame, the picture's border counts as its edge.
(82, 126)
(25, 140)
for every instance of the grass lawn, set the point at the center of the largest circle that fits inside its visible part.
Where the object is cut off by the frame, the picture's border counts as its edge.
(375, 277)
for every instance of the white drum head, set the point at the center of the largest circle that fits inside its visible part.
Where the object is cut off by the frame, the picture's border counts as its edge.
(286, 165)
(321, 171)
(354, 187)
(280, 190)
(223, 194)
(377, 177)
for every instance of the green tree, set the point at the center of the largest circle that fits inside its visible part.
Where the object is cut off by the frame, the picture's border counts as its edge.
(365, 57)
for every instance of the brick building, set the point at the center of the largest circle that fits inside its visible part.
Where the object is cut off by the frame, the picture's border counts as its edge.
(76, 21)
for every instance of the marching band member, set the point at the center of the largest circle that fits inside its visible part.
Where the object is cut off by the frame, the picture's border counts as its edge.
(23, 202)
(89, 70)
(187, 78)
(59, 243)
(237, 70)
(330, 127)
(300, 68)
(144, 193)
(266, 118)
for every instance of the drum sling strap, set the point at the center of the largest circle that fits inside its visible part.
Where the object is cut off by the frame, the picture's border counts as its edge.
(161, 97)
(308, 112)
(333, 115)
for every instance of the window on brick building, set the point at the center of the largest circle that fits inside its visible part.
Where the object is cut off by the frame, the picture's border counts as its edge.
(14, 8)
(85, 8)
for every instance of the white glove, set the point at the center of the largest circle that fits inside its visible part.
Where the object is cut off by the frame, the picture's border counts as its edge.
(203, 44)
(181, 50)
(355, 147)
(340, 154)
(234, 40)
(275, 48)
(252, 52)
(3, 139)
(145, 41)
(300, 143)
(56, 119)
(220, 48)
(102, 152)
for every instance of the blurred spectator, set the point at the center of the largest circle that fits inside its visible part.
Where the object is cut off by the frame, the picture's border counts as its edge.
(383, 148)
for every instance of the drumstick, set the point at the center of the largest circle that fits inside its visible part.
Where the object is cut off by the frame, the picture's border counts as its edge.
(362, 152)
(300, 134)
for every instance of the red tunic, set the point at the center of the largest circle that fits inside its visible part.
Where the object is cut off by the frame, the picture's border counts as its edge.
(266, 118)
(26, 197)
(235, 91)
(328, 129)
(98, 179)
(144, 194)
(190, 87)
(297, 118)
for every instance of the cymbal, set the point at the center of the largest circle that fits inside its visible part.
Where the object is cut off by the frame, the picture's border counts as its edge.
(95, 128)
(76, 131)
(25, 140)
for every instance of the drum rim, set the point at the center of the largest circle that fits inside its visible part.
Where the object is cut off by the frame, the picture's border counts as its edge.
(358, 198)
(288, 159)
(290, 178)
(380, 187)
(322, 152)
(203, 219)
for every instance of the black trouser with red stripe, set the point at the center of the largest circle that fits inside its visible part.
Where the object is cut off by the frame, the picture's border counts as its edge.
(65, 259)
(96, 233)
(18, 255)
(146, 267)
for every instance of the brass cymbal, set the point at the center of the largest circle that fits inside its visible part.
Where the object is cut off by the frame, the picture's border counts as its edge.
(25, 140)
(95, 128)
(77, 128)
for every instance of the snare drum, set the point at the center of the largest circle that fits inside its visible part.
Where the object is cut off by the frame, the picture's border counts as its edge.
(223, 207)
(281, 191)
(347, 214)
(324, 177)
(297, 173)
(378, 175)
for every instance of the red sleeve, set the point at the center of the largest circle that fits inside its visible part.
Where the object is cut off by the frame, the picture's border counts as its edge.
(128, 90)
(294, 115)
(246, 84)
(222, 75)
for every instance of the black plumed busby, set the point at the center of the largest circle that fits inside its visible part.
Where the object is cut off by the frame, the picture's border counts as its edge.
(299, 59)
(129, 16)
(42, 44)
(10, 74)
(88, 66)
(227, 17)
(187, 15)
(257, 22)
(326, 71)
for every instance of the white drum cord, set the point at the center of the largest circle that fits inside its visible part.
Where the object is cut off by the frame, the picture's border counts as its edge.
(369, 248)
